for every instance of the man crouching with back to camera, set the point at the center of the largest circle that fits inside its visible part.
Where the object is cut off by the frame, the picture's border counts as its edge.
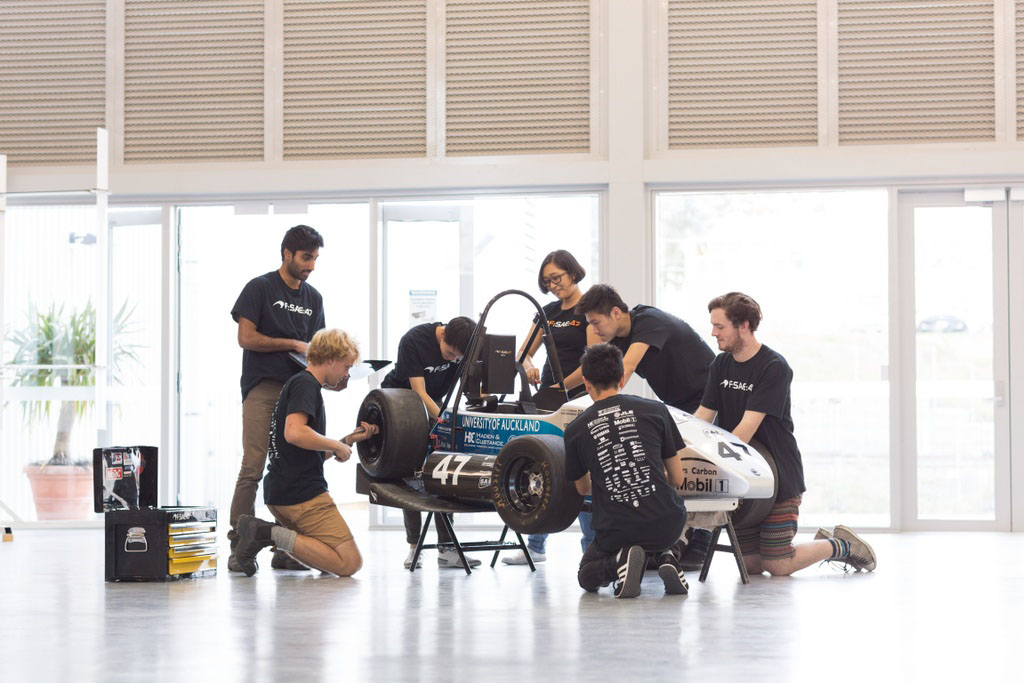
(309, 526)
(627, 449)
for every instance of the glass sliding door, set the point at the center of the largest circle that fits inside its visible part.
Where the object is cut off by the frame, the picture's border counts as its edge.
(955, 360)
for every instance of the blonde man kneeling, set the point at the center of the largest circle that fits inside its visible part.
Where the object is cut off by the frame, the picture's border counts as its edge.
(309, 526)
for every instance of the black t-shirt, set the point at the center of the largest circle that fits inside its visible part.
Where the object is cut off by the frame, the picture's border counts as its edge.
(676, 364)
(760, 384)
(281, 312)
(419, 355)
(623, 442)
(569, 331)
(295, 475)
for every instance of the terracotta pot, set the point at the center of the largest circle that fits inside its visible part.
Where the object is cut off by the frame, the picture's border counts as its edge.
(61, 491)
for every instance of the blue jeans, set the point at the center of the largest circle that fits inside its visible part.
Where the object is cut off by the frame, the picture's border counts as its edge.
(537, 543)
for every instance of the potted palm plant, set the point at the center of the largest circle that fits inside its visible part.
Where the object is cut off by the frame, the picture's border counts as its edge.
(60, 350)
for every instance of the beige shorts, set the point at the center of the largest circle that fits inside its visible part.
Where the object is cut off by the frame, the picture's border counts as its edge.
(317, 518)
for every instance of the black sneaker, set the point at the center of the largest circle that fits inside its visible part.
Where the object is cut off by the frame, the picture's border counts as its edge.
(250, 542)
(672, 575)
(283, 560)
(630, 570)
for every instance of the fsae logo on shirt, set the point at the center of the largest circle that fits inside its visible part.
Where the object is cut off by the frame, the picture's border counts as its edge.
(293, 308)
(564, 323)
(733, 384)
(437, 368)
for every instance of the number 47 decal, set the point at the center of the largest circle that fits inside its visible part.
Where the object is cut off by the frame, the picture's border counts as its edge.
(726, 451)
(441, 470)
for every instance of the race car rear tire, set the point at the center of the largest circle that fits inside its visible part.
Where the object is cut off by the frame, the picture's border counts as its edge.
(400, 446)
(529, 488)
(752, 511)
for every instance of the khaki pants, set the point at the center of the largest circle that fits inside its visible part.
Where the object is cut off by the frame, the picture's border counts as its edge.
(317, 518)
(257, 410)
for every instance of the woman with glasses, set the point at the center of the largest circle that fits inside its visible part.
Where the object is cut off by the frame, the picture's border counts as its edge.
(560, 274)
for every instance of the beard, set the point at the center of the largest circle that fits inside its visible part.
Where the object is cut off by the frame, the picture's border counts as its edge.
(735, 346)
(296, 271)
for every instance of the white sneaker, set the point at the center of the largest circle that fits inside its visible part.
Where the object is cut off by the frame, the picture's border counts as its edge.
(520, 558)
(408, 560)
(449, 559)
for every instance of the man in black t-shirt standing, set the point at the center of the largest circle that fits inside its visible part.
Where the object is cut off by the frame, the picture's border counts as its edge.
(748, 389)
(428, 364)
(277, 313)
(625, 451)
(309, 526)
(656, 345)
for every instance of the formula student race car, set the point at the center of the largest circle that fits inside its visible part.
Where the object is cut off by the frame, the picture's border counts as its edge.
(510, 453)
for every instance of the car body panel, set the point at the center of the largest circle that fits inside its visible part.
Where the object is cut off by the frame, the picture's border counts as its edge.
(716, 464)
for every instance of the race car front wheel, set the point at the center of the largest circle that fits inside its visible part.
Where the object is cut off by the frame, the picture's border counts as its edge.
(752, 511)
(529, 488)
(400, 445)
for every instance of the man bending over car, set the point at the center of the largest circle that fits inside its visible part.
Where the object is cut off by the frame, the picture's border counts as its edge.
(625, 452)
(428, 364)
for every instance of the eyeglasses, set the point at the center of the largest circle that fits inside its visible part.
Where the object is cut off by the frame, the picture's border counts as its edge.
(553, 280)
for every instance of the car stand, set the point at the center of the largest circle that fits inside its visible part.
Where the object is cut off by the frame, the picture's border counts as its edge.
(733, 549)
(471, 546)
(399, 494)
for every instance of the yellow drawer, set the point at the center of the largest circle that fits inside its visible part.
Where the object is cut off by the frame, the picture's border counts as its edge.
(191, 539)
(193, 551)
(191, 528)
(187, 565)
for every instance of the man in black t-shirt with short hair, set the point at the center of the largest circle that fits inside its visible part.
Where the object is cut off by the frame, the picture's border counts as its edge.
(428, 364)
(656, 345)
(277, 313)
(625, 451)
(748, 390)
(309, 526)
(428, 360)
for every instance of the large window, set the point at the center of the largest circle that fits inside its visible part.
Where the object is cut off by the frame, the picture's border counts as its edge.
(59, 308)
(817, 262)
(220, 251)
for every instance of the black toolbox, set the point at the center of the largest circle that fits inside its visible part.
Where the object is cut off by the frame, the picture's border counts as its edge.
(145, 542)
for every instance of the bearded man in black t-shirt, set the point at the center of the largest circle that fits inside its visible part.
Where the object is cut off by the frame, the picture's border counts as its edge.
(625, 451)
(748, 390)
(309, 526)
(428, 364)
(277, 313)
(656, 345)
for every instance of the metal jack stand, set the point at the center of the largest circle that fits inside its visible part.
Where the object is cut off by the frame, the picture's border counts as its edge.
(733, 549)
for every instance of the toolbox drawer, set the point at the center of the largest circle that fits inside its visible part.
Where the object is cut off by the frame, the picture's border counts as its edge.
(160, 544)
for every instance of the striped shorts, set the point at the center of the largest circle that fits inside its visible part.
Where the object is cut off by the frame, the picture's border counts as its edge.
(773, 538)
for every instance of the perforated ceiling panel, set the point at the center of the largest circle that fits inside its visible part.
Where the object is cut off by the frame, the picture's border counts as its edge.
(916, 71)
(517, 77)
(193, 80)
(742, 73)
(52, 80)
(355, 79)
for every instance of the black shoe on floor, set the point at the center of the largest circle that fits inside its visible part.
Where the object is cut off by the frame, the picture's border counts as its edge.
(672, 575)
(253, 536)
(631, 563)
(283, 560)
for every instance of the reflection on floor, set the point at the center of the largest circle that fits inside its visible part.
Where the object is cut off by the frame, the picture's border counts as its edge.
(919, 617)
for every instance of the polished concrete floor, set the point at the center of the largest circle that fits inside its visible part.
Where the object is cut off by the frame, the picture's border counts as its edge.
(940, 607)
